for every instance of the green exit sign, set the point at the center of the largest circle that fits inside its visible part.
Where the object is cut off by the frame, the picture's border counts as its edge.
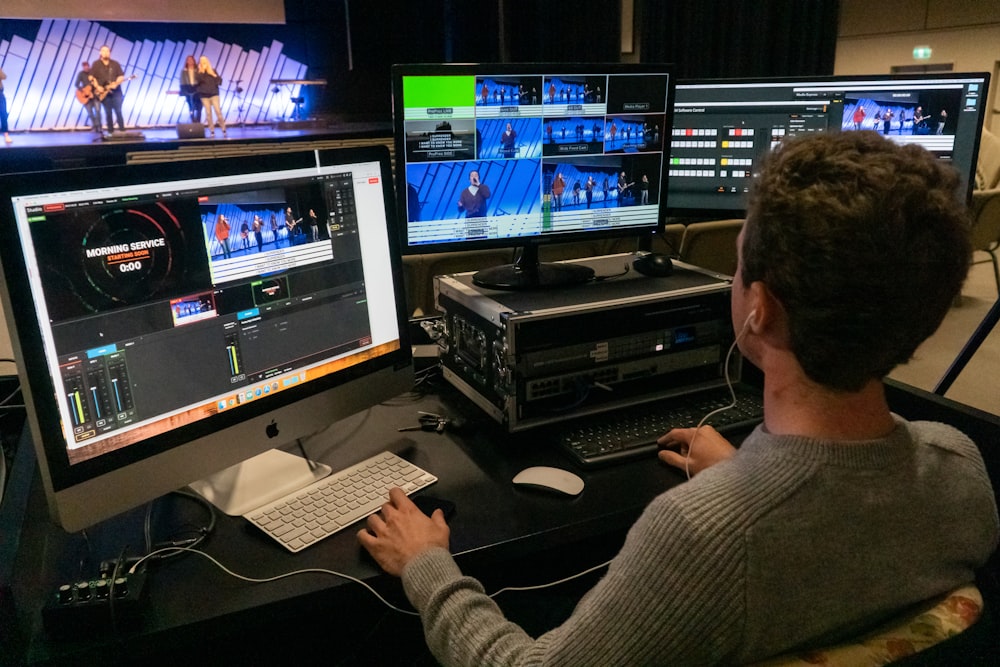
(921, 52)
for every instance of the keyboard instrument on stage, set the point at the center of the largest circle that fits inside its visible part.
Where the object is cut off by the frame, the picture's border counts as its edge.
(298, 82)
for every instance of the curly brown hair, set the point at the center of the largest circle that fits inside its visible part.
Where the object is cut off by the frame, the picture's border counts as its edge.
(864, 242)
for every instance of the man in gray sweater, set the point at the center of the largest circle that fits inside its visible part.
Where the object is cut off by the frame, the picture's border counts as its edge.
(834, 514)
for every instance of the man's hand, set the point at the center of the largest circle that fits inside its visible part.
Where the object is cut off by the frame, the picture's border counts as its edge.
(401, 531)
(696, 449)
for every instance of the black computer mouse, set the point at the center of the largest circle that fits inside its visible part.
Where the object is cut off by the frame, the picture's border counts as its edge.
(653, 264)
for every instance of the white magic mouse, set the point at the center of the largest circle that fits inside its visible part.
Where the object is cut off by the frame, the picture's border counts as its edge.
(554, 479)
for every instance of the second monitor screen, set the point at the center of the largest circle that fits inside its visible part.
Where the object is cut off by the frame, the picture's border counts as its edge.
(490, 157)
(723, 129)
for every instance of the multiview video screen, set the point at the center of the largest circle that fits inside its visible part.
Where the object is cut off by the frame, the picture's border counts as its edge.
(494, 155)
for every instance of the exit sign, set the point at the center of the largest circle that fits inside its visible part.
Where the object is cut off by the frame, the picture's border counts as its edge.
(921, 52)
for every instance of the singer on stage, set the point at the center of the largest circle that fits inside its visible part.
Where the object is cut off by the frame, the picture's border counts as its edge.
(208, 90)
(189, 88)
(3, 111)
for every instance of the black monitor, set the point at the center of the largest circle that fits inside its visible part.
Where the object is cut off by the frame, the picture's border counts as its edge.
(170, 320)
(494, 156)
(723, 128)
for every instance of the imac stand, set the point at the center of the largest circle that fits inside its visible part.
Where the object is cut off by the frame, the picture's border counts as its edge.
(257, 481)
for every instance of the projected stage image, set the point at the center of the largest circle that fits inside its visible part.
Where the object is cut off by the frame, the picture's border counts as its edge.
(894, 112)
(446, 190)
(509, 138)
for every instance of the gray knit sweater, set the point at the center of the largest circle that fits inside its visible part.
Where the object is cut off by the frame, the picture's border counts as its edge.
(792, 542)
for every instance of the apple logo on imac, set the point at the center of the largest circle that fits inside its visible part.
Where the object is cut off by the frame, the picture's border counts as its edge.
(271, 430)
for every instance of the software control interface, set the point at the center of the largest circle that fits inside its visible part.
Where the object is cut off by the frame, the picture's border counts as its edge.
(167, 303)
(723, 129)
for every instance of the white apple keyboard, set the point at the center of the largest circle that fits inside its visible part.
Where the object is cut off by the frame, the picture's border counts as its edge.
(306, 516)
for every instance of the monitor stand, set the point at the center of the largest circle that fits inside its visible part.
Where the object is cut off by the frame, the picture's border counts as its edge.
(529, 273)
(970, 348)
(244, 487)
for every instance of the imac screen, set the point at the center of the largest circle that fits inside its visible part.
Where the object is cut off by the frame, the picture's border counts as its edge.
(494, 156)
(723, 128)
(190, 309)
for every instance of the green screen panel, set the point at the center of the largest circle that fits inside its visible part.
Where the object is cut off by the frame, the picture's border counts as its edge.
(439, 91)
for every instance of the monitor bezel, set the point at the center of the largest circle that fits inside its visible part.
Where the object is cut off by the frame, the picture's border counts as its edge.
(334, 395)
(513, 69)
(674, 211)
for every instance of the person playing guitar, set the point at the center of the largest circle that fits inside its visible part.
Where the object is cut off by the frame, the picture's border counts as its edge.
(106, 75)
(101, 93)
(85, 94)
(290, 223)
(623, 187)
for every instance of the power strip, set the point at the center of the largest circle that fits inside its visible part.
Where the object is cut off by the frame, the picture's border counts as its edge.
(96, 606)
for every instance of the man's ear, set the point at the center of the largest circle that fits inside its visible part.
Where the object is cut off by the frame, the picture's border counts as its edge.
(767, 313)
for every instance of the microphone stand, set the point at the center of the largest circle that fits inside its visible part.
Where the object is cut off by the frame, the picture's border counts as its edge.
(240, 118)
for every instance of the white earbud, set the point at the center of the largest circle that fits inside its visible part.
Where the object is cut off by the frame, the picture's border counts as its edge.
(746, 324)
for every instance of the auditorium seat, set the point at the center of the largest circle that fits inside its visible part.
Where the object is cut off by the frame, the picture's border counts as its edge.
(986, 202)
(712, 245)
(668, 241)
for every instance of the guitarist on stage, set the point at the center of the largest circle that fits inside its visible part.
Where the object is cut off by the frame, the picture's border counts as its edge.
(290, 223)
(107, 75)
(85, 93)
(623, 186)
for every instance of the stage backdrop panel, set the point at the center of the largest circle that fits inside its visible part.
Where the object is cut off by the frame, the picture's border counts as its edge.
(178, 11)
(41, 70)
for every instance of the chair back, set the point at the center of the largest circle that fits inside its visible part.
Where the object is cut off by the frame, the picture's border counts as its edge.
(901, 640)
(712, 245)
(988, 164)
(669, 240)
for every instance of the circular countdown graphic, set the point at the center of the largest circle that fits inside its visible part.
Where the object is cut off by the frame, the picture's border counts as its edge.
(128, 254)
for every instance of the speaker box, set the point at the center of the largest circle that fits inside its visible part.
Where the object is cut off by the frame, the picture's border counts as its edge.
(190, 131)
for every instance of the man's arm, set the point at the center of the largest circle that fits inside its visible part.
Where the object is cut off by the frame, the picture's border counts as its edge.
(117, 68)
(660, 570)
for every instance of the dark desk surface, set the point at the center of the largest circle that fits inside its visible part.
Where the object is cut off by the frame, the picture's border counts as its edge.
(501, 534)
(494, 523)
